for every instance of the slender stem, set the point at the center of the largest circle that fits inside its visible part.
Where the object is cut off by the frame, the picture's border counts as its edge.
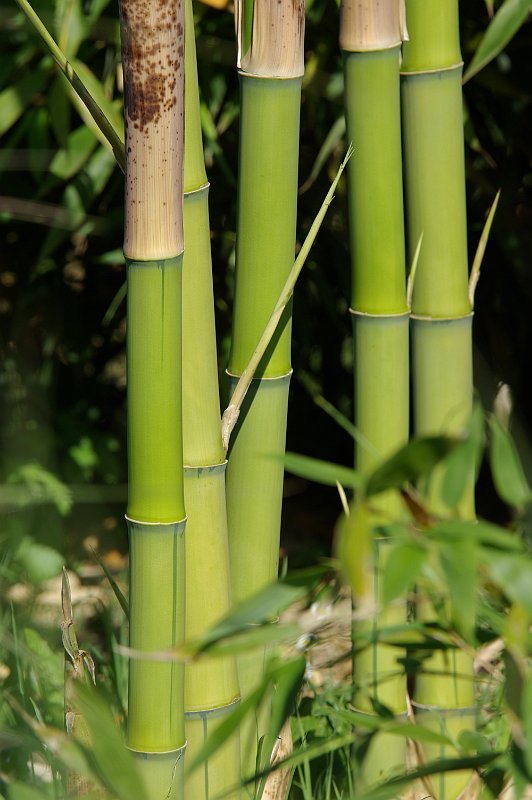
(232, 411)
(70, 74)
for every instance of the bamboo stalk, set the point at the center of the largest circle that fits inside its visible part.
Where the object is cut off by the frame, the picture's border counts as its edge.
(441, 308)
(270, 69)
(371, 34)
(152, 55)
(211, 687)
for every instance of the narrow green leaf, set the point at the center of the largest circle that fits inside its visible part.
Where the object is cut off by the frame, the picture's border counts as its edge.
(336, 133)
(112, 110)
(261, 607)
(228, 725)
(80, 144)
(287, 676)
(483, 532)
(513, 574)
(59, 108)
(462, 463)
(411, 462)
(70, 26)
(402, 566)
(111, 757)
(21, 791)
(243, 642)
(66, 68)
(321, 471)
(506, 468)
(526, 715)
(377, 723)
(14, 100)
(124, 604)
(481, 249)
(459, 563)
(504, 25)
(394, 787)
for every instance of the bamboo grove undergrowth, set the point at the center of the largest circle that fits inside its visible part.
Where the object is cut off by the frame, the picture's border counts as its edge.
(205, 499)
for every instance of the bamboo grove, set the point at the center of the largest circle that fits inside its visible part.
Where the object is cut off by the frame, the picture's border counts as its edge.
(204, 504)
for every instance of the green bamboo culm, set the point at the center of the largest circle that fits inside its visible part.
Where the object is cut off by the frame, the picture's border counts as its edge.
(270, 70)
(371, 34)
(441, 308)
(211, 687)
(152, 56)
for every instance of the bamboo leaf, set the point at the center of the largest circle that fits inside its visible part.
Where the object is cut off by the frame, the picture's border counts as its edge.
(526, 716)
(373, 722)
(228, 725)
(261, 607)
(504, 25)
(462, 462)
(484, 533)
(20, 791)
(394, 786)
(124, 605)
(111, 757)
(403, 564)
(68, 161)
(336, 132)
(321, 471)
(16, 98)
(507, 471)
(70, 26)
(459, 563)
(286, 676)
(68, 71)
(411, 462)
(59, 109)
(481, 249)
(513, 574)
(112, 109)
(243, 642)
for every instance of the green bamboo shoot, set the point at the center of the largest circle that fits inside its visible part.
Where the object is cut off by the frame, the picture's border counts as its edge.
(441, 309)
(211, 688)
(371, 34)
(271, 69)
(152, 55)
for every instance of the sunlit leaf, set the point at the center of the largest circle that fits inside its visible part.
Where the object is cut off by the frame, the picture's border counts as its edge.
(502, 28)
(418, 458)
(401, 568)
(485, 533)
(16, 99)
(261, 607)
(70, 159)
(462, 463)
(321, 471)
(21, 791)
(459, 563)
(229, 724)
(506, 468)
(513, 573)
(113, 760)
